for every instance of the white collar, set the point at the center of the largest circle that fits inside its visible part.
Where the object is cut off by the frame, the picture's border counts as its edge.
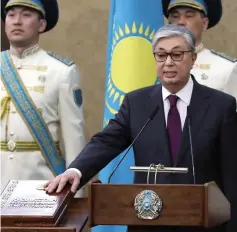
(27, 52)
(184, 94)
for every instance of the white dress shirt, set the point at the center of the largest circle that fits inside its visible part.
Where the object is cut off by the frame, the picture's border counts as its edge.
(183, 102)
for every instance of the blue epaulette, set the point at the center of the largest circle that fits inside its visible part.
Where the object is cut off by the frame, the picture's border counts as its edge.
(62, 59)
(224, 56)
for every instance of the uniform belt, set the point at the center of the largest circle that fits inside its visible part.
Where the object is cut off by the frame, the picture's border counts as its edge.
(21, 146)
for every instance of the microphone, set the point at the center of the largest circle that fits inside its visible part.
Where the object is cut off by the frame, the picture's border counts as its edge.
(152, 115)
(191, 144)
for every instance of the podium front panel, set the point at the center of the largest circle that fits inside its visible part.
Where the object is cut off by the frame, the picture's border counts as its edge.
(114, 205)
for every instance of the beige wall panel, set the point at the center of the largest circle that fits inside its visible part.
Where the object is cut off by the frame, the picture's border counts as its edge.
(223, 37)
(81, 35)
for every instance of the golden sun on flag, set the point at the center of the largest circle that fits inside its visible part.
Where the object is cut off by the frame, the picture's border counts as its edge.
(132, 62)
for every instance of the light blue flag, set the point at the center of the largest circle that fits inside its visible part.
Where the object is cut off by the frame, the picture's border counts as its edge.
(130, 65)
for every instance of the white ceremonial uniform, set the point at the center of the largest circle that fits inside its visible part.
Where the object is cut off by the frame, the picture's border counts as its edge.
(54, 85)
(216, 70)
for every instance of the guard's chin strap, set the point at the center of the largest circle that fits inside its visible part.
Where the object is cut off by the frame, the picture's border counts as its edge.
(199, 48)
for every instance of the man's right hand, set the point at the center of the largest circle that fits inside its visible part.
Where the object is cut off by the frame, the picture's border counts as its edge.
(58, 183)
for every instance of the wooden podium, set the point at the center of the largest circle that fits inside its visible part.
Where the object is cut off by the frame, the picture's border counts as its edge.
(110, 204)
(183, 205)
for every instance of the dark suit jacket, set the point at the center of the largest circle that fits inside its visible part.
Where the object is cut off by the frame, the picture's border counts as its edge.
(214, 131)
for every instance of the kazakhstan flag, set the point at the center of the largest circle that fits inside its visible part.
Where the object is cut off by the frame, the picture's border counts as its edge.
(130, 65)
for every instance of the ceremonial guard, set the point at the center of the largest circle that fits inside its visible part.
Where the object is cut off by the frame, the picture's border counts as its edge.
(212, 68)
(42, 122)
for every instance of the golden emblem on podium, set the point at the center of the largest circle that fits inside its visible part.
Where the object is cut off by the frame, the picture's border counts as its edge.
(148, 205)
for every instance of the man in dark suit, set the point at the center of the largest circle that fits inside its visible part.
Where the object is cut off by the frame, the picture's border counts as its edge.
(165, 139)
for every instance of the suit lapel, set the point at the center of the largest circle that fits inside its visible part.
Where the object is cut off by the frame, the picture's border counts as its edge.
(197, 110)
(158, 127)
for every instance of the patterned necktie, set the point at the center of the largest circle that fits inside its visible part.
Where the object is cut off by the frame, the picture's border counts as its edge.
(174, 127)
